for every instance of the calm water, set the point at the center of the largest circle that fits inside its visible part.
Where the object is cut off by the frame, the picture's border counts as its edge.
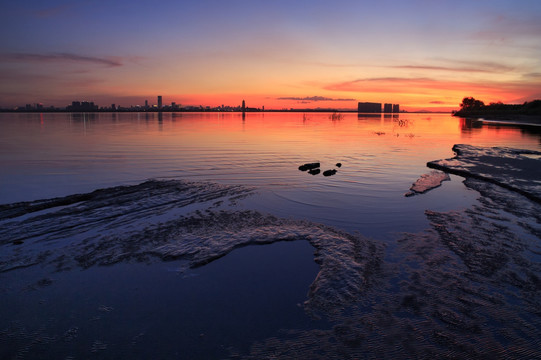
(48, 155)
(154, 311)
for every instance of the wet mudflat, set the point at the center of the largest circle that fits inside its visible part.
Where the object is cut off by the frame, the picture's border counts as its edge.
(467, 287)
(177, 266)
(190, 269)
(79, 259)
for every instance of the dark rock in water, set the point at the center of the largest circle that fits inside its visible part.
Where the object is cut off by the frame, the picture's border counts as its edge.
(338, 164)
(329, 172)
(309, 166)
(314, 171)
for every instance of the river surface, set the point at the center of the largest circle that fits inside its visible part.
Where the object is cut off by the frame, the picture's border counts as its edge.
(143, 309)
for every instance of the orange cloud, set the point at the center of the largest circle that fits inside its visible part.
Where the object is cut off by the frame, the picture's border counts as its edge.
(419, 91)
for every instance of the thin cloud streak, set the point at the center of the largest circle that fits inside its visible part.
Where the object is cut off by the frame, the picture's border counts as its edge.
(383, 84)
(59, 57)
(487, 69)
(458, 65)
(489, 66)
(53, 11)
(313, 98)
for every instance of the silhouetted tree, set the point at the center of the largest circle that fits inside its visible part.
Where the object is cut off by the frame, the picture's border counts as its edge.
(473, 107)
(471, 104)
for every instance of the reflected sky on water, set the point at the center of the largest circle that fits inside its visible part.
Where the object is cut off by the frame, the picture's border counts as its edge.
(48, 155)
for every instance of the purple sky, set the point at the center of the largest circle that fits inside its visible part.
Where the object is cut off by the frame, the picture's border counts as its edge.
(421, 54)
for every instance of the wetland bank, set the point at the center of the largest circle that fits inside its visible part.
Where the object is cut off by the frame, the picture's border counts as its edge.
(232, 252)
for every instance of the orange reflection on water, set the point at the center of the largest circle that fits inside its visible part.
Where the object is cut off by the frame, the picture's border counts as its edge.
(301, 133)
(378, 153)
(367, 143)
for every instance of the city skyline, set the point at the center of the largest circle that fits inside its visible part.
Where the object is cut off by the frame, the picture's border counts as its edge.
(280, 55)
(90, 106)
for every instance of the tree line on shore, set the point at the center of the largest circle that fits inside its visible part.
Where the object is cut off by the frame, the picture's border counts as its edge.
(473, 107)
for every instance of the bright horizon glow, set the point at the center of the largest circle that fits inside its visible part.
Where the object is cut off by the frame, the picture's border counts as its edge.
(307, 54)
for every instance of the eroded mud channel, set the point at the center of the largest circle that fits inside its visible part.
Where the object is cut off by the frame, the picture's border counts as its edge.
(174, 269)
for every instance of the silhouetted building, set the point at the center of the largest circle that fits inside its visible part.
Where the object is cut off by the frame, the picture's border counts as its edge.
(243, 106)
(388, 108)
(159, 101)
(146, 104)
(368, 107)
(396, 108)
(82, 106)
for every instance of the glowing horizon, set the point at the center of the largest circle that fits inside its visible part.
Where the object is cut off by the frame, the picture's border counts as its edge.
(421, 55)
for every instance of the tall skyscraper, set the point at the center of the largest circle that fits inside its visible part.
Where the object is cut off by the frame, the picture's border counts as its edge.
(388, 108)
(243, 106)
(159, 101)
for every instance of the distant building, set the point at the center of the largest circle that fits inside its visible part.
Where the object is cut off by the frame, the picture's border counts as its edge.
(82, 106)
(388, 108)
(146, 104)
(368, 107)
(159, 101)
(243, 106)
(396, 108)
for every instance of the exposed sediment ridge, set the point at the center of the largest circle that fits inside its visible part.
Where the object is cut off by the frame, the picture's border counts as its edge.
(467, 287)
(175, 220)
(428, 182)
(514, 169)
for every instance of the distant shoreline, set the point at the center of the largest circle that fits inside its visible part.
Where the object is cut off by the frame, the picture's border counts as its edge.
(527, 113)
(217, 111)
(523, 121)
(502, 119)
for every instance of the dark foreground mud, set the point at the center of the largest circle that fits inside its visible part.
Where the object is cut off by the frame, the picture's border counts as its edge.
(175, 220)
(469, 287)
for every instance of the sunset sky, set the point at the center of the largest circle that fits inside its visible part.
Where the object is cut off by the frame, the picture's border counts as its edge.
(424, 54)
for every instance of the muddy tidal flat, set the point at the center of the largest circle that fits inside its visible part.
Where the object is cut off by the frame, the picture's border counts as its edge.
(88, 275)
